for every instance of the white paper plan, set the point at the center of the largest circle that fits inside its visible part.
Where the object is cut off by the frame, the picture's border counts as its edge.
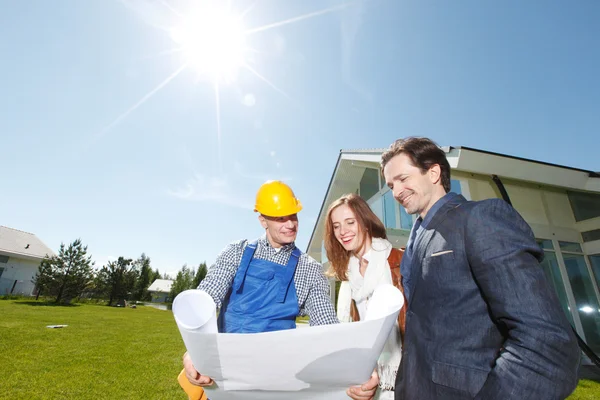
(319, 362)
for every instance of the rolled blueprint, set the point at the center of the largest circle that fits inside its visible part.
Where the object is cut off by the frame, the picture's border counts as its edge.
(195, 311)
(316, 363)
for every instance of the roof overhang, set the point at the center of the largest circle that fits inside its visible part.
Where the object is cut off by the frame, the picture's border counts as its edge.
(488, 163)
(22, 256)
(351, 164)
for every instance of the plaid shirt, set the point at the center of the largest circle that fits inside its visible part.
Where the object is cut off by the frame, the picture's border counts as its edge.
(312, 288)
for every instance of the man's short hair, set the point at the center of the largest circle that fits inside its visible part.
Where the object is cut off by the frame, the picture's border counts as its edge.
(423, 154)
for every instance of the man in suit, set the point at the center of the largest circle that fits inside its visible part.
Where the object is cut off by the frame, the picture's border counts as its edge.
(482, 321)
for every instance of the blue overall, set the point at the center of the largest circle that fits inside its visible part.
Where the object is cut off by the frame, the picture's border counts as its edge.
(260, 299)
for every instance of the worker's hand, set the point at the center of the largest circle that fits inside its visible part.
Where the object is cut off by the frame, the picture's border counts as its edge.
(194, 376)
(366, 391)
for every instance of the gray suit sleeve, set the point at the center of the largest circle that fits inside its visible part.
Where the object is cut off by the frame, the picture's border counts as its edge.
(540, 356)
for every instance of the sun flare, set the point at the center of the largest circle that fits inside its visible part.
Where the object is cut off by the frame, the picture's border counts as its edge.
(211, 38)
(212, 41)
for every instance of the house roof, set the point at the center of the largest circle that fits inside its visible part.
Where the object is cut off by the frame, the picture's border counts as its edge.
(350, 166)
(16, 243)
(447, 149)
(161, 285)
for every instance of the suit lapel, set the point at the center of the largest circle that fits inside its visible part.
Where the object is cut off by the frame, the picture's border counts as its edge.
(422, 242)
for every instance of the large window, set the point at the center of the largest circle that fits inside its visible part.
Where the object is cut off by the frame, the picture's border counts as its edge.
(577, 292)
(552, 271)
(395, 216)
(391, 213)
(390, 209)
(376, 204)
(584, 292)
(585, 205)
(595, 261)
(369, 183)
(455, 186)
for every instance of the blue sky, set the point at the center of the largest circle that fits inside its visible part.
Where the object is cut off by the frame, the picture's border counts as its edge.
(514, 77)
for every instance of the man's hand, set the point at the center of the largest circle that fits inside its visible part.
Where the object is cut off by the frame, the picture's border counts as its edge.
(366, 391)
(194, 376)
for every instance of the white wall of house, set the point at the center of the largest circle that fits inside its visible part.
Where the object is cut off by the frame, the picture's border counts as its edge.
(21, 270)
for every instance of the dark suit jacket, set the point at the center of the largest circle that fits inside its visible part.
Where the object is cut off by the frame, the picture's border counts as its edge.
(482, 321)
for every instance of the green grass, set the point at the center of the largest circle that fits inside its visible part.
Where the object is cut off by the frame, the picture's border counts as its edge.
(586, 390)
(104, 353)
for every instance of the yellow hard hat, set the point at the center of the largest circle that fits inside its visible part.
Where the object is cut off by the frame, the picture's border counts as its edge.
(276, 199)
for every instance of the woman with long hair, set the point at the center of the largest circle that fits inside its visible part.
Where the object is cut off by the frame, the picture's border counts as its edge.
(362, 258)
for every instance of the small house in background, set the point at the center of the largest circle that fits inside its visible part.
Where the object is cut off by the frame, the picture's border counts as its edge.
(20, 256)
(159, 289)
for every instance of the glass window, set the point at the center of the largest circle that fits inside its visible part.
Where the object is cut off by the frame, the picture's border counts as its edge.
(390, 207)
(552, 272)
(585, 298)
(455, 186)
(570, 246)
(590, 236)
(406, 221)
(585, 205)
(545, 244)
(324, 258)
(3, 259)
(382, 183)
(369, 183)
(1, 271)
(595, 261)
(376, 204)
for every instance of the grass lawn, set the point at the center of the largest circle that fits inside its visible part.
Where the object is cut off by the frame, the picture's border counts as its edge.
(104, 353)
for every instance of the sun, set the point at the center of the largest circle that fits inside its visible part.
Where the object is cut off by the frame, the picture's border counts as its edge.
(212, 41)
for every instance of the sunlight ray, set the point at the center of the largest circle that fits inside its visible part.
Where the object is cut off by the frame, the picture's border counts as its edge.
(121, 117)
(247, 10)
(298, 18)
(171, 8)
(268, 82)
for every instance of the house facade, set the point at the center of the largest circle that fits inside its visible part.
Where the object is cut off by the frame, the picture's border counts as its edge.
(561, 204)
(160, 289)
(20, 256)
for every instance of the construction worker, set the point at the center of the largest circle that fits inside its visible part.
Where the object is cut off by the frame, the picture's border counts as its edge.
(262, 286)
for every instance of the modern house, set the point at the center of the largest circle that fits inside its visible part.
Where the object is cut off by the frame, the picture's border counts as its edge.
(20, 256)
(160, 289)
(561, 204)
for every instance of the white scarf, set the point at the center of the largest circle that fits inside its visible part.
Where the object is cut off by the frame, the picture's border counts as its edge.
(361, 289)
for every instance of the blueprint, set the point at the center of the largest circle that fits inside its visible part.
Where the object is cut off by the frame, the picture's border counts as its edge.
(319, 362)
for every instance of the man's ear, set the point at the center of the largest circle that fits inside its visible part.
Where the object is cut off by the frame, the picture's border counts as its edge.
(262, 221)
(435, 173)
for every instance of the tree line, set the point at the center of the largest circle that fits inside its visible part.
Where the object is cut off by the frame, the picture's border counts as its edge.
(71, 275)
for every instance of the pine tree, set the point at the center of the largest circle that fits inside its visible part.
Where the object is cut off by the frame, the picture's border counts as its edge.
(67, 274)
(182, 282)
(200, 274)
(119, 279)
(145, 275)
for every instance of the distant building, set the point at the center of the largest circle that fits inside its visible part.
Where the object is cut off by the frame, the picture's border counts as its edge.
(20, 256)
(561, 204)
(159, 289)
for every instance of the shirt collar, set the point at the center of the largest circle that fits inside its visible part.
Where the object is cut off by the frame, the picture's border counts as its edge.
(436, 207)
(264, 242)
